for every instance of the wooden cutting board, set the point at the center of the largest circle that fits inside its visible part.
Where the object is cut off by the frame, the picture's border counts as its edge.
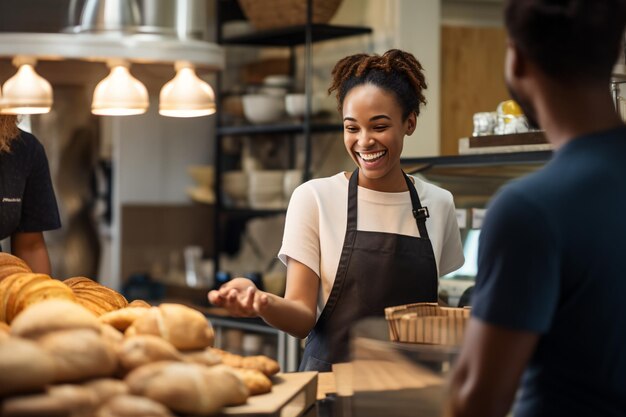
(292, 395)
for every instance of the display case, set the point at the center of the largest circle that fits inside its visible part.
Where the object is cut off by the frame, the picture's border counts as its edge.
(472, 180)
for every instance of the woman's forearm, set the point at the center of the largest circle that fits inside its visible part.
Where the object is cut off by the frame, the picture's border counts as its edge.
(290, 316)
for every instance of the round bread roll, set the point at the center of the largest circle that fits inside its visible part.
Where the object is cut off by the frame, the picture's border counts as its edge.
(142, 349)
(79, 355)
(52, 315)
(203, 357)
(132, 406)
(188, 388)
(122, 319)
(24, 366)
(82, 401)
(256, 381)
(5, 329)
(183, 327)
(139, 303)
(111, 335)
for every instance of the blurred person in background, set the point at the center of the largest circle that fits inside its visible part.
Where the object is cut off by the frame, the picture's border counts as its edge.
(548, 306)
(28, 205)
(358, 242)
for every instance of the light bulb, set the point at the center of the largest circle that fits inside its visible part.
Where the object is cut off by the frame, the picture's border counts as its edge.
(186, 95)
(26, 92)
(119, 94)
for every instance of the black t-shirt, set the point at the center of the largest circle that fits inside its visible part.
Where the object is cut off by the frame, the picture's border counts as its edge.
(27, 201)
(552, 260)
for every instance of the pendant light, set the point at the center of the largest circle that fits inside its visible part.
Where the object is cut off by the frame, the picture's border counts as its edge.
(26, 92)
(119, 94)
(186, 95)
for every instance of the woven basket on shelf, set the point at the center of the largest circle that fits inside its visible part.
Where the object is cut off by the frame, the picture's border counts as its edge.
(427, 323)
(269, 14)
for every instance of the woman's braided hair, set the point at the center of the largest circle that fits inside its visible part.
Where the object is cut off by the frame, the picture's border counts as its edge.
(395, 71)
(8, 131)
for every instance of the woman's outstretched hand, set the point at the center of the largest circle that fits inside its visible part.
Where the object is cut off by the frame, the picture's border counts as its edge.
(240, 297)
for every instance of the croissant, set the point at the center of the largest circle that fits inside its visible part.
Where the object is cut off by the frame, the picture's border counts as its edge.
(10, 265)
(95, 297)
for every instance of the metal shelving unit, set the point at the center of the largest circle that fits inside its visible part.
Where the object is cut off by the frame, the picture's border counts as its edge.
(288, 349)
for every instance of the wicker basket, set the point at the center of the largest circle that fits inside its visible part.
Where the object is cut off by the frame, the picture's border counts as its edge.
(427, 323)
(268, 14)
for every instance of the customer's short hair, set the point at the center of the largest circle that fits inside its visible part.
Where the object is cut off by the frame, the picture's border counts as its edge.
(568, 39)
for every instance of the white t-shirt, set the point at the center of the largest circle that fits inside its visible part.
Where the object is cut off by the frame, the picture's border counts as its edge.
(315, 226)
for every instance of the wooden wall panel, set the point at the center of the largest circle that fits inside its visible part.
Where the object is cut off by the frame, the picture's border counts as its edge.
(472, 79)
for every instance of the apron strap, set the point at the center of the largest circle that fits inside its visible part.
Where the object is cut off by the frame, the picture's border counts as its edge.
(352, 200)
(420, 213)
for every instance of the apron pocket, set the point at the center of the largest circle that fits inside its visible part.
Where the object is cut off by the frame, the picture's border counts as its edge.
(311, 363)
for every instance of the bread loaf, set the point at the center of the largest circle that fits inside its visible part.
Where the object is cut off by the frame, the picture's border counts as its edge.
(79, 355)
(183, 327)
(35, 406)
(107, 388)
(132, 406)
(188, 388)
(24, 366)
(82, 401)
(143, 349)
(53, 315)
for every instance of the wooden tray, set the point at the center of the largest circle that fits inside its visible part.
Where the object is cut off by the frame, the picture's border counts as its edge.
(292, 395)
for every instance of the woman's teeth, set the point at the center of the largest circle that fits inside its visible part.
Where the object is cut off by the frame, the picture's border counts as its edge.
(372, 156)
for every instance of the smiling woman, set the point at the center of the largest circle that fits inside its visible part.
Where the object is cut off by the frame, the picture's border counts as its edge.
(27, 202)
(342, 267)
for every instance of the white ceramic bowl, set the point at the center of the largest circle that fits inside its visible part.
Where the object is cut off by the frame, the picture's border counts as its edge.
(235, 186)
(203, 175)
(263, 108)
(291, 181)
(278, 80)
(295, 104)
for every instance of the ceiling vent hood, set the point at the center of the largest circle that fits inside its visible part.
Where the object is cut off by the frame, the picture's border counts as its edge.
(146, 31)
(120, 33)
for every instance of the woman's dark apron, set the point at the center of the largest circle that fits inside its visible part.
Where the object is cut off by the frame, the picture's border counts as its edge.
(376, 270)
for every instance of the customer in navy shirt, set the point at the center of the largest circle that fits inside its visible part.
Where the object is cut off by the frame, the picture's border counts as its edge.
(27, 202)
(549, 306)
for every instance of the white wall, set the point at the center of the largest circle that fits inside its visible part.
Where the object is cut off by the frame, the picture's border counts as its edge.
(150, 156)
